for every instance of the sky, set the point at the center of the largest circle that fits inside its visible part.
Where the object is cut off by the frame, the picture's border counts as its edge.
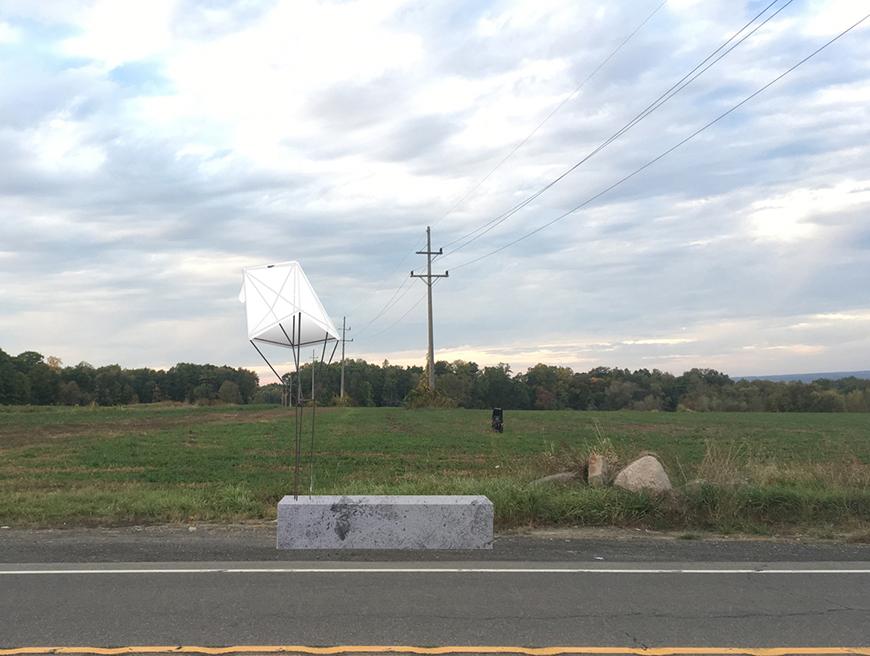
(151, 150)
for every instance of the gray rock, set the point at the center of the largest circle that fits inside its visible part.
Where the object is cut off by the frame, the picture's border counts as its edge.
(645, 474)
(561, 477)
(598, 470)
(385, 522)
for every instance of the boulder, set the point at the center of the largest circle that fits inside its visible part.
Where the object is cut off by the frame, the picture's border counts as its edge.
(597, 470)
(561, 477)
(645, 474)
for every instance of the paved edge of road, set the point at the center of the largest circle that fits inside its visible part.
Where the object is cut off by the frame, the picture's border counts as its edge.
(437, 567)
(97, 546)
(456, 649)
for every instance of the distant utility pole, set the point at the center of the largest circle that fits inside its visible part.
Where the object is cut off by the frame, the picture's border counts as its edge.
(427, 278)
(344, 340)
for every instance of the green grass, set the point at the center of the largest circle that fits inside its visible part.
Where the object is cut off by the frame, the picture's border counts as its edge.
(150, 464)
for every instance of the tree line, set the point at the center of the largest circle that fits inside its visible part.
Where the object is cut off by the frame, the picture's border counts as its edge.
(30, 378)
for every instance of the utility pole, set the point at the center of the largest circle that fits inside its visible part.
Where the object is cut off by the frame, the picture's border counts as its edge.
(344, 329)
(427, 278)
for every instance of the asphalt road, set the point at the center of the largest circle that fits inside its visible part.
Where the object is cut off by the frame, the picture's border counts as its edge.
(75, 588)
(631, 605)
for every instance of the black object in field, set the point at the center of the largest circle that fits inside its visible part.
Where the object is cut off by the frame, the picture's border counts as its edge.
(498, 420)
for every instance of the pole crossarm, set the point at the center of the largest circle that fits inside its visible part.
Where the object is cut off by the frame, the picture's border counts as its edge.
(427, 276)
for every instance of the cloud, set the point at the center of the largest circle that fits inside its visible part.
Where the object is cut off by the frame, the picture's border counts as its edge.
(147, 154)
(8, 34)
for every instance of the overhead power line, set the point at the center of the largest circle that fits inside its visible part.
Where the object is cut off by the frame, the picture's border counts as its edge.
(552, 113)
(405, 314)
(391, 274)
(717, 55)
(703, 66)
(667, 152)
(391, 302)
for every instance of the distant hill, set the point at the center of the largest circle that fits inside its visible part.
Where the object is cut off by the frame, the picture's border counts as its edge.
(807, 378)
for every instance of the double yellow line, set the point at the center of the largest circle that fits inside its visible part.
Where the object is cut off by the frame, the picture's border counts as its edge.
(407, 649)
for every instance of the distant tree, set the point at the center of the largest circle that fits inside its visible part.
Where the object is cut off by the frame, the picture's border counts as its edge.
(248, 382)
(69, 393)
(496, 388)
(828, 401)
(621, 394)
(271, 393)
(83, 374)
(112, 386)
(390, 385)
(44, 384)
(7, 379)
(20, 389)
(229, 392)
(30, 378)
(203, 393)
(856, 401)
(27, 360)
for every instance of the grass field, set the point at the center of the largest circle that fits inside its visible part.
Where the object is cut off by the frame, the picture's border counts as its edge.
(152, 464)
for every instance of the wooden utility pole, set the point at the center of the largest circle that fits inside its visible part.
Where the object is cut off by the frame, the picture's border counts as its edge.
(427, 278)
(344, 329)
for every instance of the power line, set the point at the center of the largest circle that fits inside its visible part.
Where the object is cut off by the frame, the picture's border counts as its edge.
(393, 300)
(676, 88)
(681, 84)
(386, 307)
(552, 113)
(392, 273)
(666, 152)
(406, 313)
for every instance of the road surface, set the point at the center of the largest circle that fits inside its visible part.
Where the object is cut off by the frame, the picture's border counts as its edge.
(583, 601)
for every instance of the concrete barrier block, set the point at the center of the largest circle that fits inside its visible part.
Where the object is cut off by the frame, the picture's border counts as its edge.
(385, 522)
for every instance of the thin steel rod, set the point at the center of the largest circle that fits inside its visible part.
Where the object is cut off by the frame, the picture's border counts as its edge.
(291, 341)
(297, 410)
(297, 415)
(266, 361)
(298, 463)
(311, 446)
(313, 417)
(332, 355)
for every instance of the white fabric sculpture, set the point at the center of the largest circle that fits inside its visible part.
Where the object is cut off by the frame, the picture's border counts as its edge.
(276, 297)
(283, 310)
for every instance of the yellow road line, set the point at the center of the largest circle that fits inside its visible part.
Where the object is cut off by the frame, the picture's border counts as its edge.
(404, 649)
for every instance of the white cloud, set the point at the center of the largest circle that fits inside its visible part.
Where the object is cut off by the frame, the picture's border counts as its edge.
(113, 33)
(8, 34)
(60, 144)
(789, 216)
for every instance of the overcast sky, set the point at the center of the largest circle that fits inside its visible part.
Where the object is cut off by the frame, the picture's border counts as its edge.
(150, 150)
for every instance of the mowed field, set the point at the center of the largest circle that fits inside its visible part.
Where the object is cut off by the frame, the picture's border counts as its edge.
(156, 464)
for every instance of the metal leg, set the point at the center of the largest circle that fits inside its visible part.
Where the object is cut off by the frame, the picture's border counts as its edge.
(300, 416)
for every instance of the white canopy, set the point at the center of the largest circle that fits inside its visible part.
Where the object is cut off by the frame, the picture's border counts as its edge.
(273, 295)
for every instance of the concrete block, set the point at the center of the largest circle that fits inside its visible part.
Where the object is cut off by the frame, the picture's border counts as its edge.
(385, 522)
